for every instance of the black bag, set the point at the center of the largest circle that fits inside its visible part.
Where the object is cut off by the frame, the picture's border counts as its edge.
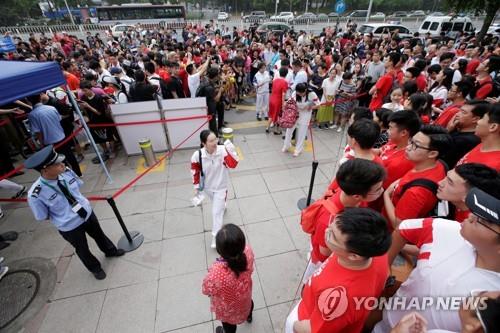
(201, 185)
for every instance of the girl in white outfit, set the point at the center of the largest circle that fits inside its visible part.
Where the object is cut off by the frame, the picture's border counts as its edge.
(211, 175)
(261, 82)
(306, 102)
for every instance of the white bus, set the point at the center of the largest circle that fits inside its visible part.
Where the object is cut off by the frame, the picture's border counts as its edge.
(170, 15)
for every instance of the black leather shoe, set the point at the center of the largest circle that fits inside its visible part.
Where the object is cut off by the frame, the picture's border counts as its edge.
(101, 275)
(117, 253)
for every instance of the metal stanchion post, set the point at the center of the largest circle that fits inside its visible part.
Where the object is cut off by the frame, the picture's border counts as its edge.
(147, 151)
(305, 202)
(130, 241)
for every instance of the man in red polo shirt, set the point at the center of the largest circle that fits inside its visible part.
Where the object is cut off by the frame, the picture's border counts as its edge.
(454, 188)
(488, 151)
(402, 126)
(456, 95)
(424, 149)
(383, 86)
(358, 268)
(359, 181)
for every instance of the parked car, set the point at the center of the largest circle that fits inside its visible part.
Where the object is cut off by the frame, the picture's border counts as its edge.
(305, 18)
(333, 14)
(119, 29)
(399, 13)
(378, 29)
(255, 16)
(437, 24)
(273, 26)
(494, 29)
(358, 14)
(378, 16)
(417, 13)
(222, 16)
(283, 17)
(436, 14)
(322, 17)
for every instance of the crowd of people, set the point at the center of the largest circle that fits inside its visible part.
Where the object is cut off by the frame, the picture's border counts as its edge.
(419, 176)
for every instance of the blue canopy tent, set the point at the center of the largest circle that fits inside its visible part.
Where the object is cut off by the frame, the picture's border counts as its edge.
(19, 79)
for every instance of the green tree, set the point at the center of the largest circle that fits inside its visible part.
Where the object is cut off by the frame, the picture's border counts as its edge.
(489, 6)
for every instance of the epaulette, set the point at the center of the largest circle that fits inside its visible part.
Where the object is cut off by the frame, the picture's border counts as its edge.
(36, 191)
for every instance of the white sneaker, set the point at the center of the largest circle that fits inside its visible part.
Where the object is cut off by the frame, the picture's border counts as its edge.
(3, 271)
(339, 129)
(213, 246)
(284, 150)
(296, 153)
(334, 126)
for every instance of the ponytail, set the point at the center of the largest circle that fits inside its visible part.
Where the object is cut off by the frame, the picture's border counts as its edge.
(238, 264)
(230, 242)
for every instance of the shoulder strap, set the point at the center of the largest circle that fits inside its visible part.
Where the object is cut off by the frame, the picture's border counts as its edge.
(201, 163)
(421, 182)
(330, 206)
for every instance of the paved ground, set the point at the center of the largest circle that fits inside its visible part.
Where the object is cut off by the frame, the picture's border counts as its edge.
(157, 288)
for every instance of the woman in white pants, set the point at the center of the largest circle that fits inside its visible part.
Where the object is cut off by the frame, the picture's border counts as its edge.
(261, 82)
(210, 175)
(10, 185)
(306, 102)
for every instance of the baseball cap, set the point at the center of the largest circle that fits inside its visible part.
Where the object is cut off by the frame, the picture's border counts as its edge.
(115, 70)
(483, 205)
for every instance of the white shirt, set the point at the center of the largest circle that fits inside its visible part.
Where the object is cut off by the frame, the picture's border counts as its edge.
(193, 83)
(214, 166)
(393, 106)
(329, 88)
(446, 266)
(261, 79)
(299, 77)
(303, 107)
(439, 93)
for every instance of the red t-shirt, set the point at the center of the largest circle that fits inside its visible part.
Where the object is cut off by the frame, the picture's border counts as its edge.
(383, 85)
(72, 81)
(421, 82)
(490, 158)
(417, 201)
(461, 215)
(183, 75)
(395, 162)
(163, 73)
(447, 115)
(318, 237)
(486, 86)
(472, 66)
(328, 297)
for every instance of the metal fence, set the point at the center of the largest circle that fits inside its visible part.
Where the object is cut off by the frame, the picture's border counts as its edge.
(314, 25)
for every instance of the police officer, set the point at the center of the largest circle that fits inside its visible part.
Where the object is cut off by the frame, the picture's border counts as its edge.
(56, 196)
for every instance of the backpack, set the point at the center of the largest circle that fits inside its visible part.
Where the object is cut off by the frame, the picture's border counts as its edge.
(425, 183)
(200, 92)
(288, 117)
(309, 215)
(163, 86)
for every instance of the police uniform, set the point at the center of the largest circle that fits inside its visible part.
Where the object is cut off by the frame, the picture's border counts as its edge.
(60, 201)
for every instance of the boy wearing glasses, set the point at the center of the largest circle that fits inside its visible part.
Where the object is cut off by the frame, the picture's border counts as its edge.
(359, 240)
(454, 259)
(405, 202)
(359, 181)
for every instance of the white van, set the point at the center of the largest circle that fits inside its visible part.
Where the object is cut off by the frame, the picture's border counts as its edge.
(437, 24)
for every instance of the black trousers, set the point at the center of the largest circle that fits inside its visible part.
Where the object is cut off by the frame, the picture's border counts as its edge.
(231, 328)
(77, 237)
(220, 115)
(65, 149)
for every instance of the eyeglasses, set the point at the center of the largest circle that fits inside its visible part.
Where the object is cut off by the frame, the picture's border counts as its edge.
(483, 223)
(415, 146)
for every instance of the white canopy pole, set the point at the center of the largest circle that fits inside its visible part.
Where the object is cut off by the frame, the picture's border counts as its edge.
(87, 130)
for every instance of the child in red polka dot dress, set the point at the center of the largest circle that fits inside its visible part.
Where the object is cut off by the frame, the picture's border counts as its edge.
(228, 282)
